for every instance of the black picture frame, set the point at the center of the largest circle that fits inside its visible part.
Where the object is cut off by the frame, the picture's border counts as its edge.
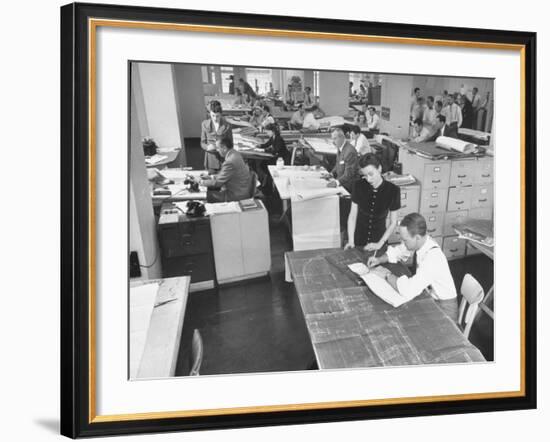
(77, 418)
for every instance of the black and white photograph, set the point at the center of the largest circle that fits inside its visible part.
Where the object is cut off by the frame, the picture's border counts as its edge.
(285, 219)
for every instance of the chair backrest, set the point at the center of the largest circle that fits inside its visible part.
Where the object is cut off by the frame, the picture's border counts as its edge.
(197, 351)
(473, 294)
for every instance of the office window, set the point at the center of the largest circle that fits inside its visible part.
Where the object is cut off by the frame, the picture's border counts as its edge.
(259, 79)
(226, 72)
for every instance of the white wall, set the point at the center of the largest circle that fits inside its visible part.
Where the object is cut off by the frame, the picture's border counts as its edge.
(396, 93)
(159, 99)
(143, 232)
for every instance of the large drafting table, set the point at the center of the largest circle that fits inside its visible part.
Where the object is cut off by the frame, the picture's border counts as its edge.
(351, 327)
(157, 309)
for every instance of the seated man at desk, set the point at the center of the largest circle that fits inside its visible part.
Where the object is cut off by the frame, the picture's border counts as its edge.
(442, 129)
(297, 119)
(430, 270)
(232, 183)
(346, 169)
(311, 121)
(373, 121)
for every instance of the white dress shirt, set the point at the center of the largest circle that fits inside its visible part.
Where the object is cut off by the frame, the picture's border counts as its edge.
(432, 272)
(361, 144)
(429, 117)
(422, 136)
(372, 121)
(310, 122)
(453, 113)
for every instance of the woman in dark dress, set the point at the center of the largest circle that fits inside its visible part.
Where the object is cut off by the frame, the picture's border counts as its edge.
(275, 145)
(372, 199)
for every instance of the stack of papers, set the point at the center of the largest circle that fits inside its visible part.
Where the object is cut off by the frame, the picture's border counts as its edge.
(155, 159)
(220, 208)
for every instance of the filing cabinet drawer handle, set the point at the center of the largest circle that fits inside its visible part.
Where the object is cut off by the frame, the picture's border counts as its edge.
(436, 181)
(187, 240)
(483, 200)
(404, 206)
(453, 250)
(461, 176)
(459, 202)
(431, 230)
(433, 206)
(487, 175)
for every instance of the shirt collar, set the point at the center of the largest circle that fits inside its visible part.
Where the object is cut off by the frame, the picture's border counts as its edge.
(430, 243)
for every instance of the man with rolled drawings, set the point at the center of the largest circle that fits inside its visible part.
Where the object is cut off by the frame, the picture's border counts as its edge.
(430, 270)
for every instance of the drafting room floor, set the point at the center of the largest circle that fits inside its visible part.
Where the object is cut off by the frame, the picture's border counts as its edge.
(258, 326)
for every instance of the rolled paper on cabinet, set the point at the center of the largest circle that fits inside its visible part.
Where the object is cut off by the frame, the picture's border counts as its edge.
(455, 144)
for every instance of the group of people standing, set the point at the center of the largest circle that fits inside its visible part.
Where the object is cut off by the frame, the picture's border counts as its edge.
(460, 110)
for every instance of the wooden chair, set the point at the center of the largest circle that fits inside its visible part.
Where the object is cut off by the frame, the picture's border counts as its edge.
(473, 294)
(197, 350)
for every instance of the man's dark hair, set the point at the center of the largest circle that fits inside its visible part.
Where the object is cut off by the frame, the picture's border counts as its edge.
(226, 141)
(307, 88)
(274, 127)
(439, 103)
(215, 106)
(241, 80)
(415, 224)
(356, 129)
(431, 98)
(419, 122)
(416, 89)
(442, 118)
(369, 160)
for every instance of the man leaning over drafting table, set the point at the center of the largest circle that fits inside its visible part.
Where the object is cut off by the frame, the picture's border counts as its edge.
(346, 169)
(430, 267)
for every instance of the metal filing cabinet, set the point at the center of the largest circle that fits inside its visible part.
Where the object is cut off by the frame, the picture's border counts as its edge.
(186, 248)
(451, 191)
(410, 195)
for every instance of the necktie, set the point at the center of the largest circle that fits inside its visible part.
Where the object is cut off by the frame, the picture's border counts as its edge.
(413, 269)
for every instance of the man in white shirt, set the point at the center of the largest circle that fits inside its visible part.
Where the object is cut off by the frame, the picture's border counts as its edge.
(372, 119)
(429, 113)
(452, 113)
(310, 122)
(359, 141)
(420, 132)
(430, 267)
(297, 119)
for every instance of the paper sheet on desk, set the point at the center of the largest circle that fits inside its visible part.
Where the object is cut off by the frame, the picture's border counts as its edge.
(455, 144)
(142, 302)
(383, 290)
(155, 159)
(316, 232)
(219, 208)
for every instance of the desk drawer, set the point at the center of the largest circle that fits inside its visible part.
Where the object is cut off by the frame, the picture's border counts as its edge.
(460, 198)
(452, 218)
(482, 213)
(484, 171)
(409, 201)
(434, 223)
(433, 200)
(185, 239)
(436, 176)
(198, 267)
(462, 173)
(482, 196)
(454, 247)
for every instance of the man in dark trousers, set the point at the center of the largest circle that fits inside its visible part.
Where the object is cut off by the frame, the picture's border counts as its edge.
(346, 169)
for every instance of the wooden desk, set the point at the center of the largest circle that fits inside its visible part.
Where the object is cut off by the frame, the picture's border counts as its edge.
(162, 343)
(179, 176)
(351, 327)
